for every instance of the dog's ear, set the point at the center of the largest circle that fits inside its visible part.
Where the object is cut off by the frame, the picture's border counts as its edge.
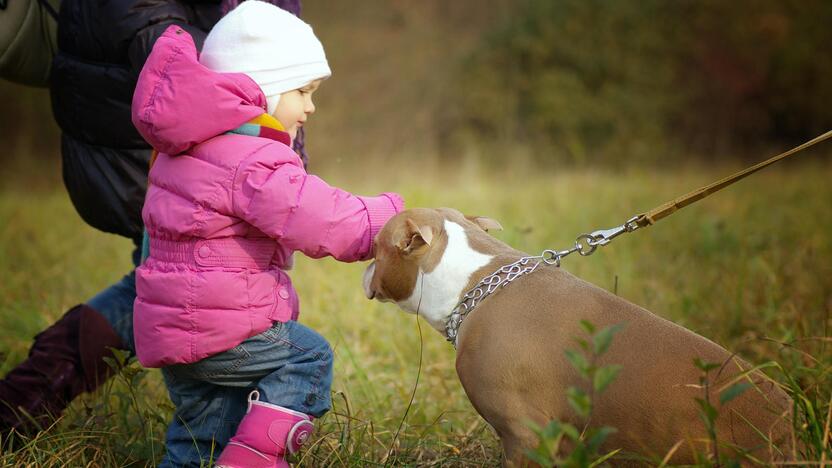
(486, 224)
(414, 237)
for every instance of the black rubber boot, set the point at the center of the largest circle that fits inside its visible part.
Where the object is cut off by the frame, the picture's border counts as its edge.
(64, 361)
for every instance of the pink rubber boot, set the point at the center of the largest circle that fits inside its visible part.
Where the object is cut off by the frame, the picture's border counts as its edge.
(265, 435)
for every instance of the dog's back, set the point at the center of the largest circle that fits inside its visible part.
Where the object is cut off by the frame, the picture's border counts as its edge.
(511, 360)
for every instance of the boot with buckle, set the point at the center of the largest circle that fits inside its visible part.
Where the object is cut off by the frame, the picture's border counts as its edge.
(265, 436)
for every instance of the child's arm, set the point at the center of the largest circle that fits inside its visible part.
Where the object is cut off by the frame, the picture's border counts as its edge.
(305, 213)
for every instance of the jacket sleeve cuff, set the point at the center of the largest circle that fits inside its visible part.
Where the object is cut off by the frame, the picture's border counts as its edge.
(379, 210)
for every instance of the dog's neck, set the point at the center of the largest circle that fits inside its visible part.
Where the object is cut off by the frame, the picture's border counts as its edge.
(437, 292)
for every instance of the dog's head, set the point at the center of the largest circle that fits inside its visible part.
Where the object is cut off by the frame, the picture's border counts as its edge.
(439, 246)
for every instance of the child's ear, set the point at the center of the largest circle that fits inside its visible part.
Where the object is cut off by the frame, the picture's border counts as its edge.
(486, 224)
(414, 237)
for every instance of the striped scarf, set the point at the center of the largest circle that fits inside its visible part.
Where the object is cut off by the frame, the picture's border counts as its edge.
(264, 126)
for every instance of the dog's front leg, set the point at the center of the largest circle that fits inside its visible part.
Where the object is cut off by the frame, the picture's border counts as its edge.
(516, 439)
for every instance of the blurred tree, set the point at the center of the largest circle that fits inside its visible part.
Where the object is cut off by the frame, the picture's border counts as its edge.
(581, 80)
(27, 129)
(604, 80)
(756, 71)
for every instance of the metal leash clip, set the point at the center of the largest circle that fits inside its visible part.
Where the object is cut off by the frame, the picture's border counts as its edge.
(586, 244)
(604, 236)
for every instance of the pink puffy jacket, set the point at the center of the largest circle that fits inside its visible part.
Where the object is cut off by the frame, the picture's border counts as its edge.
(225, 212)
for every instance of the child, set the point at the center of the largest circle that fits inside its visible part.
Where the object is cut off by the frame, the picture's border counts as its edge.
(228, 203)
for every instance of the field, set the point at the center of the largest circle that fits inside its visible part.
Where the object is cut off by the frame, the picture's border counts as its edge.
(748, 268)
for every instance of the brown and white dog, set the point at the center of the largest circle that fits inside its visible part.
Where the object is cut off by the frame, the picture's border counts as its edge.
(510, 349)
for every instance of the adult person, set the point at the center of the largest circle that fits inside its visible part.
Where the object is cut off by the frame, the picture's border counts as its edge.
(102, 46)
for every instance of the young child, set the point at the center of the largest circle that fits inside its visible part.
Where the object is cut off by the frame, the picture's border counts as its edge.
(228, 203)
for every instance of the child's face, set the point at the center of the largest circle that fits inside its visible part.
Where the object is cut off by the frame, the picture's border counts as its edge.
(295, 107)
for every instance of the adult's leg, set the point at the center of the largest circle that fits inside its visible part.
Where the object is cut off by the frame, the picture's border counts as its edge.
(115, 304)
(66, 359)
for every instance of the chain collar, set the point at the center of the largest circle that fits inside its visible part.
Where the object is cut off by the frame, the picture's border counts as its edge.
(585, 245)
(499, 279)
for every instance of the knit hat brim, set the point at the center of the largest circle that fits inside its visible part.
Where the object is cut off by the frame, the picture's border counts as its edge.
(276, 49)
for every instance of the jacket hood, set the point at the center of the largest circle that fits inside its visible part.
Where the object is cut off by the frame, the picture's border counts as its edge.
(179, 103)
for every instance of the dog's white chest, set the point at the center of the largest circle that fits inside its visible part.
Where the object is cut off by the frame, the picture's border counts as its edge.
(437, 293)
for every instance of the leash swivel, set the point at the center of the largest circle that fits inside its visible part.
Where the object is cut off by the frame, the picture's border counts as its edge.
(587, 244)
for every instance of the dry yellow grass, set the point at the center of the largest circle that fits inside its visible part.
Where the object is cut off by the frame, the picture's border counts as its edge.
(749, 263)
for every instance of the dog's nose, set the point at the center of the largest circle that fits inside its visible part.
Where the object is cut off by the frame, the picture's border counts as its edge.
(368, 279)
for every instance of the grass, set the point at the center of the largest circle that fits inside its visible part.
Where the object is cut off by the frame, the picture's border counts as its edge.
(748, 268)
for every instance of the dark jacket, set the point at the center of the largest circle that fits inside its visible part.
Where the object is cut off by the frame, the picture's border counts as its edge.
(102, 46)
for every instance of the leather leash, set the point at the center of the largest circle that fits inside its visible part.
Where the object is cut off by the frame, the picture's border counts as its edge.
(650, 217)
(586, 244)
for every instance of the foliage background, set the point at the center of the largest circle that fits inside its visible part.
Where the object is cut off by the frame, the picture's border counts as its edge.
(569, 81)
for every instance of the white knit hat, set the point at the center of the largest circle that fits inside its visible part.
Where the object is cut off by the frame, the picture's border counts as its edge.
(272, 46)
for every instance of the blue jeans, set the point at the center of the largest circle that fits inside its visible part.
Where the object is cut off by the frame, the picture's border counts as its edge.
(116, 304)
(289, 364)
